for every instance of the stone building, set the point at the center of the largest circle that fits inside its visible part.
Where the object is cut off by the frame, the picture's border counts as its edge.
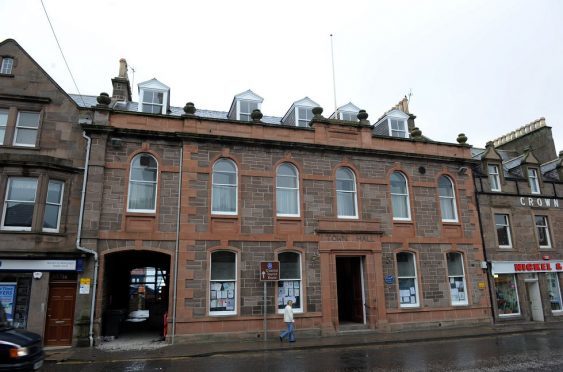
(42, 155)
(374, 226)
(519, 190)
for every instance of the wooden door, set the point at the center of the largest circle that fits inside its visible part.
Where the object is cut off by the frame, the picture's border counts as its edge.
(60, 314)
(356, 270)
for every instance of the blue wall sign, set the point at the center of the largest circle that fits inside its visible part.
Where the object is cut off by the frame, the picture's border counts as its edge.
(389, 279)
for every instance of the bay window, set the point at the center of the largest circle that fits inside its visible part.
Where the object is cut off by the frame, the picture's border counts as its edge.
(19, 203)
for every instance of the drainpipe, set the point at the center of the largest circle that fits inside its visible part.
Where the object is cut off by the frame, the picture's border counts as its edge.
(175, 288)
(79, 236)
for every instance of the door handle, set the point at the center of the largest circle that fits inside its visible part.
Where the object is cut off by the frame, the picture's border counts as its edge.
(59, 321)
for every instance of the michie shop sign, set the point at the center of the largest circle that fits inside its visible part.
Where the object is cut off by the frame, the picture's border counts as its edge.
(539, 202)
(515, 267)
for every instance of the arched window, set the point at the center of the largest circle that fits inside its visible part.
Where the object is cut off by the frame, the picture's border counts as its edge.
(447, 199)
(456, 276)
(287, 190)
(290, 286)
(400, 197)
(408, 282)
(346, 199)
(224, 193)
(143, 184)
(223, 283)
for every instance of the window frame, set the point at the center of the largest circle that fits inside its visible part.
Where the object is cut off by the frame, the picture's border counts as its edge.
(7, 64)
(301, 308)
(507, 227)
(546, 228)
(415, 277)
(298, 118)
(235, 186)
(463, 280)
(452, 200)
(405, 196)
(404, 130)
(6, 201)
(59, 205)
(235, 281)
(155, 183)
(494, 176)
(144, 103)
(354, 192)
(4, 126)
(533, 181)
(296, 189)
(353, 116)
(20, 127)
(240, 113)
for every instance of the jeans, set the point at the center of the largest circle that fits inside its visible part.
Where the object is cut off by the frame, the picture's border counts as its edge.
(288, 332)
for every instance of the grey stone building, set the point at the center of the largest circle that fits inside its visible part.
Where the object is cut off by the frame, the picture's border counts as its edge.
(519, 190)
(42, 156)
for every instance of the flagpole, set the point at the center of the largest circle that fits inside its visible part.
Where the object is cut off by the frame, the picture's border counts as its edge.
(333, 77)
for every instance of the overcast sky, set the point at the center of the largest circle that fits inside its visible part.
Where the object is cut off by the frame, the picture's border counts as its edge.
(481, 67)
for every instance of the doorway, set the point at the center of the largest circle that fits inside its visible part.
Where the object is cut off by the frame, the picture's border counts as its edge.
(60, 309)
(350, 290)
(534, 297)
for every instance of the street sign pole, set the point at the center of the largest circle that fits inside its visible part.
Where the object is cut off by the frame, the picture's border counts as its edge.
(265, 321)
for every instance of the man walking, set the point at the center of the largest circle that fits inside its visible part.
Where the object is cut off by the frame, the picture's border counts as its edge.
(288, 319)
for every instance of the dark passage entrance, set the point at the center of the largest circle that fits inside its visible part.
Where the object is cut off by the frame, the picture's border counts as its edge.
(349, 287)
(136, 285)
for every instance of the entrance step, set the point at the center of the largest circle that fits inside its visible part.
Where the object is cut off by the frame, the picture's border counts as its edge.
(353, 328)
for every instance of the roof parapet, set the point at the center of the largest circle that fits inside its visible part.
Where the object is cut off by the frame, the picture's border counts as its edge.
(525, 129)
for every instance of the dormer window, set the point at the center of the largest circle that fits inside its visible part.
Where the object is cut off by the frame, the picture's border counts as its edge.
(300, 113)
(154, 97)
(398, 128)
(494, 177)
(533, 180)
(6, 67)
(152, 102)
(304, 116)
(348, 112)
(243, 105)
(348, 116)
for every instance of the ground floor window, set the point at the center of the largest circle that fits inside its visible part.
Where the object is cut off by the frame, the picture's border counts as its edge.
(456, 277)
(406, 276)
(554, 291)
(222, 295)
(507, 295)
(289, 286)
(15, 291)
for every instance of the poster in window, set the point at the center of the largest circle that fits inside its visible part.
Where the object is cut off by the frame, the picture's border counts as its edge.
(213, 295)
(461, 296)
(230, 304)
(413, 300)
(296, 284)
(230, 293)
(290, 292)
(413, 290)
(7, 297)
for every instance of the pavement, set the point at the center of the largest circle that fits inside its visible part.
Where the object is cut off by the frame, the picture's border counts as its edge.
(123, 349)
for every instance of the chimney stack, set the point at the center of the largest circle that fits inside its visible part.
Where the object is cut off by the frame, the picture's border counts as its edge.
(121, 85)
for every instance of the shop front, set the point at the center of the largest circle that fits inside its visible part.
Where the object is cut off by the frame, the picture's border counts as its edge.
(39, 295)
(529, 290)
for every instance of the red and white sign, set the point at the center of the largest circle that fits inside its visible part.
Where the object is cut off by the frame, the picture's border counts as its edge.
(515, 267)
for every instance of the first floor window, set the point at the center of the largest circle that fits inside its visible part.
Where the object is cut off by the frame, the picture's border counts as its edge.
(507, 295)
(543, 231)
(289, 286)
(400, 197)
(143, 184)
(224, 192)
(53, 204)
(406, 276)
(554, 291)
(3, 124)
(19, 203)
(456, 278)
(346, 200)
(447, 199)
(287, 190)
(502, 225)
(27, 126)
(223, 283)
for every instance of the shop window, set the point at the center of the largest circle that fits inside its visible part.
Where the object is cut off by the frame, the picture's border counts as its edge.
(507, 295)
(533, 181)
(27, 126)
(224, 192)
(143, 184)
(494, 177)
(542, 229)
(447, 199)
(502, 224)
(53, 206)
(223, 283)
(554, 292)
(456, 277)
(287, 191)
(346, 198)
(406, 277)
(400, 197)
(290, 286)
(3, 124)
(19, 204)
